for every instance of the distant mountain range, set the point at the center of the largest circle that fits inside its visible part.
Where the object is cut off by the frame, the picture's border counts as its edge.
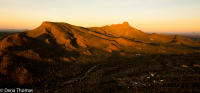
(192, 35)
(12, 30)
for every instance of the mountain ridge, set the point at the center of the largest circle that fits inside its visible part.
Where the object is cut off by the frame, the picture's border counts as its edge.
(115, 37)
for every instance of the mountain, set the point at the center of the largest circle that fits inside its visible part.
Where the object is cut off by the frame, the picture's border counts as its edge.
(27, 56)
(117, 37)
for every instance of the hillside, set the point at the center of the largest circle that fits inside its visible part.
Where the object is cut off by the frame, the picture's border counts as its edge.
(117, 37)
(60, 51)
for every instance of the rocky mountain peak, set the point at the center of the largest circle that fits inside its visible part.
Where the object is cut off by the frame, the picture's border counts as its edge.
(126, 23)
(123, 25)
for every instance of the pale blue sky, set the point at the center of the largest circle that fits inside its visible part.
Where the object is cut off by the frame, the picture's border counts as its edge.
(147, 15)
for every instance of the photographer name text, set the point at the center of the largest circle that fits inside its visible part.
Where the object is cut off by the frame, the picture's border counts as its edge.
(16, 90)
